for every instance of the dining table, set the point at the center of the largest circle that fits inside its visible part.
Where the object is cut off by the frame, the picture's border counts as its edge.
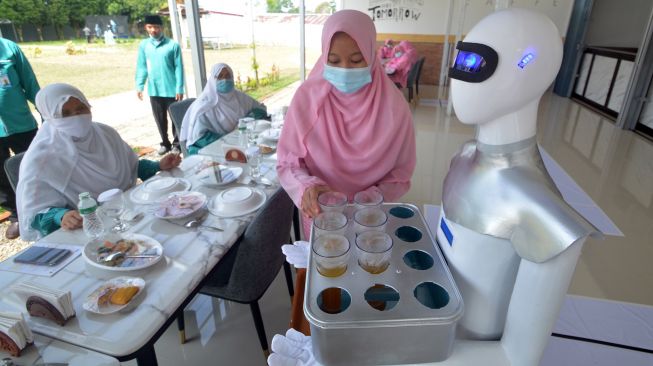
(189, 255)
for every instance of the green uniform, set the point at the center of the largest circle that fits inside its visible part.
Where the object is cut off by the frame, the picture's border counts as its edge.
(160, 64)
(17, 85)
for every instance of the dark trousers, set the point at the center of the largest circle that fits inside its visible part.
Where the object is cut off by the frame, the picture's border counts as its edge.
(16, 143)
(160, 110)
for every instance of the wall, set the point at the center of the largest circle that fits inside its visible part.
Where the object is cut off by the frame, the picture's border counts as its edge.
(616, 23)
(424, 22)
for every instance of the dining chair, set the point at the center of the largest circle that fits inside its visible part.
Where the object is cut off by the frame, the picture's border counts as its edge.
(413, 77)
(177, 111)
(12, 166)
(246, 271)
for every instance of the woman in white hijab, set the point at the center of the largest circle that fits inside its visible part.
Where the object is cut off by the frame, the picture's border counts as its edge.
(70, 155)
(216, 111)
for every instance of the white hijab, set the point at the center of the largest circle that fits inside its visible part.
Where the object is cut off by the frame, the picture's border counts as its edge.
(58, 167)
(221, 109)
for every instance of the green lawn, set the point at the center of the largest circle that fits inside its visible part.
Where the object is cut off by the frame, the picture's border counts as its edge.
(105, 70)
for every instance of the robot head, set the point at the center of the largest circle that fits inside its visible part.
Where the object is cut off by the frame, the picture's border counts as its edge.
(506, 61)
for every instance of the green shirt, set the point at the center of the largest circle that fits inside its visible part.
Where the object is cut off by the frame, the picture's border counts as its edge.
(160, 64)
(50, 220)
(17, 85)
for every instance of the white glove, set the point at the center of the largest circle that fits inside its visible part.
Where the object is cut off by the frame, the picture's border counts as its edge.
(293, 349)
(297, 253)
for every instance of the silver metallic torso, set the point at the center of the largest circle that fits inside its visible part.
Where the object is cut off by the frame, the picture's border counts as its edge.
(506, 192)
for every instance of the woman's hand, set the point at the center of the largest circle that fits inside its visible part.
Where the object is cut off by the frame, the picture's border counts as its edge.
(71, 220)
(170, 161)
(310, 207)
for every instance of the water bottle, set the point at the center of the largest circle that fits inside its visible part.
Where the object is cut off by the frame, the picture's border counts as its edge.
(242, 132)
(87, 207)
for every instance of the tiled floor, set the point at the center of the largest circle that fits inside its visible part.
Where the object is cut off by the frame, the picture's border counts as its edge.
(615, 167)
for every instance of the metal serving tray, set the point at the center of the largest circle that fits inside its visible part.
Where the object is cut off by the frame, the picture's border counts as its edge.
(410, 331)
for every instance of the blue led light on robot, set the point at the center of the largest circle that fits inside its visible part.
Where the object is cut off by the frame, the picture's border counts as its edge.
(468, 61)
(525, 60)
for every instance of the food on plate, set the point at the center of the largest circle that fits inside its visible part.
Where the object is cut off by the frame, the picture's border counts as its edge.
(123, 295)
(126, 246)
(266, 149)
(116, 295)
(180, 205)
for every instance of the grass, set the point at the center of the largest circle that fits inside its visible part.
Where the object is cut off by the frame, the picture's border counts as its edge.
(105, 70)
(265, 91)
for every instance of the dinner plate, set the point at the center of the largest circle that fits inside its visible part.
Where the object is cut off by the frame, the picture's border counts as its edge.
(237, 201)
(272, 134)
(144, 245)
(180, 205)
(91, 302)
(229, 175)
(153, 190)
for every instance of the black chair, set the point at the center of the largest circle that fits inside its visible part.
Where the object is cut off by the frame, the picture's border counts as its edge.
(12, 166)
(246, 271)
(177, 111)
(413, 77)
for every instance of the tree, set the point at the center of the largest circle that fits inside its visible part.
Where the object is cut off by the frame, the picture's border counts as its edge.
(21, 12)
(79, 9)
(135, 9)
(327, 7)
(54, 12)
(281, 6)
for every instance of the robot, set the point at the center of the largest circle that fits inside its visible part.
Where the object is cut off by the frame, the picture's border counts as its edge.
(510, 239)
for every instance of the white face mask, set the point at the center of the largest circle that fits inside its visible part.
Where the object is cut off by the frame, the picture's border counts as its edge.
(77, 126)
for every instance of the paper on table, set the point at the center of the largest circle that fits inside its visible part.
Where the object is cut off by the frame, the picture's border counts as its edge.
(60, 299)
(47, 271)
(14, 326)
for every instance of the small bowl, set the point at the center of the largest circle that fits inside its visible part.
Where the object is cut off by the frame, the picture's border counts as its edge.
(156, 189)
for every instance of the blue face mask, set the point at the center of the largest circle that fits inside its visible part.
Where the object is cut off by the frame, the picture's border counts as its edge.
(398, 54)
(224, 85)
(347, 80)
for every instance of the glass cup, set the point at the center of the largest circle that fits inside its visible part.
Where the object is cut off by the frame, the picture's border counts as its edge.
(254, 160)
(113, 206)
(330, 222)
(252, 134)
(331, 253)
(367, 219)
(367, 199)
(332, 201)
(374, 249)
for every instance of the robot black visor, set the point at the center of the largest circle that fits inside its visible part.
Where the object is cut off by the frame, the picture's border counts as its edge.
(474, 62)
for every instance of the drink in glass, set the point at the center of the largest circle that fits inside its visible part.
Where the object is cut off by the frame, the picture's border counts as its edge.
(331, 253)
(330, 222)
(370, 219)
(370, 198)
(332, 201)
(374, 249)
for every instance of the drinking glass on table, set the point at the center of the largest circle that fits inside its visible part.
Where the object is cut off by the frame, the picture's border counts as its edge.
(370, 219)
(330, 222)
(368, 199)
(254, 160)
(112, 203)
(332, 201)
(374, 249)
(331, 254)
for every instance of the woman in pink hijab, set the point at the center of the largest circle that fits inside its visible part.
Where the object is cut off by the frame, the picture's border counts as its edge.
(348, 128)
(399, 66)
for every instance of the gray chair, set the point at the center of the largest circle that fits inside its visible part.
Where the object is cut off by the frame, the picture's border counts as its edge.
(177, 111)
(244, 274)
(413, 77)
(12, 166)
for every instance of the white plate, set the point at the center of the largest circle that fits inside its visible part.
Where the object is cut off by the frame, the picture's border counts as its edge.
(272, 134)
(187, 164)
(155, 189)
(237, 201)
(90, 304)
(168, 200)
(145, 243)
(234, 173)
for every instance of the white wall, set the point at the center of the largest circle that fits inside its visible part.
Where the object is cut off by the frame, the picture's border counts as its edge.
(618, 23)
(433, 13)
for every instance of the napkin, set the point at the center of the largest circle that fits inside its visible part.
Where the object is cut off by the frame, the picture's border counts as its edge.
(13, 325)
(61, 300)
(297, 253)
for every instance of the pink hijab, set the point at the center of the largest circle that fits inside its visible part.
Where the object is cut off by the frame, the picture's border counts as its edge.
(350, 142)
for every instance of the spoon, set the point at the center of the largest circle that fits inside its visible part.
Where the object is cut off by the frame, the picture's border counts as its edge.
(120, 256)
(197, 222)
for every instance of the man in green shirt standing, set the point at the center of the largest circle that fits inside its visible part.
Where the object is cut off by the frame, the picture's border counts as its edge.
(17, 125)
(159, 62)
